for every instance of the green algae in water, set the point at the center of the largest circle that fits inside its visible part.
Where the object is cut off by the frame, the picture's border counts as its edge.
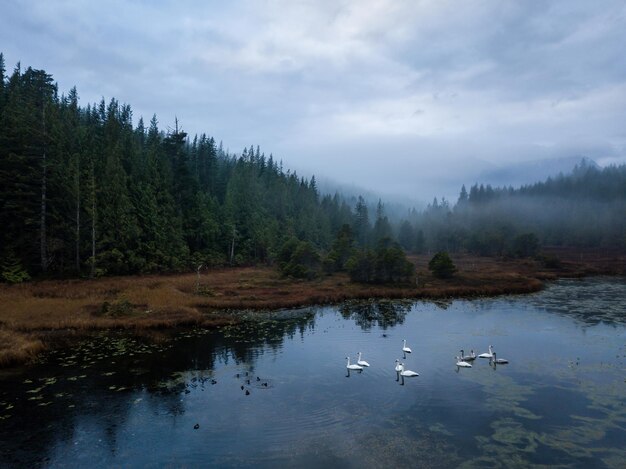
(511, 433)
(440, 428)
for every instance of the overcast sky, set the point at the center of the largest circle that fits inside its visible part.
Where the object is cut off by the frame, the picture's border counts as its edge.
(406, 97)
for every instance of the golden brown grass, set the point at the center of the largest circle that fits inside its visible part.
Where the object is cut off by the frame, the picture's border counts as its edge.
(27, 311)
(16, 348)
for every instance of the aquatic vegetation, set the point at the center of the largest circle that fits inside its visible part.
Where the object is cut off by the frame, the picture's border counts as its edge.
(559, 403)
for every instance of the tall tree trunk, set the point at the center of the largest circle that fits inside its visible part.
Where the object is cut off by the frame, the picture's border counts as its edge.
(42, 227)
(93, 221)
(232, 248)
(78, 215)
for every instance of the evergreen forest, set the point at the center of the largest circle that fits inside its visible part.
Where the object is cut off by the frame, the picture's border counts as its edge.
(87, 191)
(583, 209)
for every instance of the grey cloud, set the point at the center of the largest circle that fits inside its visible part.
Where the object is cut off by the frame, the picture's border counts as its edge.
(389, 94)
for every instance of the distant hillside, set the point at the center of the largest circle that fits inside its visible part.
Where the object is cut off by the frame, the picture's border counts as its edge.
(586, 208)
(529, 172)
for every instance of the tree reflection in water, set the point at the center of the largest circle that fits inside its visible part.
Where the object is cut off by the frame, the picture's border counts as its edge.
(96, 383)
(381, 313)
(121, 400)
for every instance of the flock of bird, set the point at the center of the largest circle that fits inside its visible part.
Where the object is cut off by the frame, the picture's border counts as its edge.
(462, 361)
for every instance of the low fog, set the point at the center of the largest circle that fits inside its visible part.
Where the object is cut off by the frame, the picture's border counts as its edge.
(408, 100)
(582, 209)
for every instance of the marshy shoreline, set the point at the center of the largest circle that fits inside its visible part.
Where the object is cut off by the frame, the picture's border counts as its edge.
(39, 315)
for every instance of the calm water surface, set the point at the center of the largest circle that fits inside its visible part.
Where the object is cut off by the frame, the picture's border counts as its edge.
(122, 401)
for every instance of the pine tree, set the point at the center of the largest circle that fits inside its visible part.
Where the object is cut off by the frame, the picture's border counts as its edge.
(382, 227)
(2, 84)
(361, 222)
(24, 166)
(406, 235)
(342, 249)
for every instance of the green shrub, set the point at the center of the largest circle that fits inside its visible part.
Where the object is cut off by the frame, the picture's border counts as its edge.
(299, 259)
(388, 264)
(14, 274)
(441, 265)
(12, 270)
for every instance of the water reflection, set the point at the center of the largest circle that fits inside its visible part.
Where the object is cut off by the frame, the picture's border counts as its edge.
(271, 391)
(44, 406)
(382, 314)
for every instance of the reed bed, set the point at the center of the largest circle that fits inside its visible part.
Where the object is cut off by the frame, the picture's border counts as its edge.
(17, 348)
(33, 310)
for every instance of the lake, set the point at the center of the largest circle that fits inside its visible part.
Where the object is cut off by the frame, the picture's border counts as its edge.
(274, 390)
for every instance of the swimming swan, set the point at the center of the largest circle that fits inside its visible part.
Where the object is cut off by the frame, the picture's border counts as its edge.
(362, 362)
(353, 367)
(487, 354)
(468, 358)
(405, 349)
(499, 361)
(407, 373)
(461, 364)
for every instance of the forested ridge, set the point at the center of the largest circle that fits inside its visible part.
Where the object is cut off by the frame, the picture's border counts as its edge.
(86, 192)
(585, 209)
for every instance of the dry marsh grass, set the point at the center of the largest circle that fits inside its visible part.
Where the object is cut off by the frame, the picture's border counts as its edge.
(16, 348)
(27, 311)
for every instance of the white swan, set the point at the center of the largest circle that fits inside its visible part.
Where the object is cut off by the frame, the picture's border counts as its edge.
(405, 349)
(468, 358)
(362, 362)
(399, 366)
(499, 361)
(487, 354)
(461, 364)
(353, 367)
(407, 373)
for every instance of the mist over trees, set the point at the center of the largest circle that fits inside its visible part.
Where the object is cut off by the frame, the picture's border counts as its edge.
(86, 192)
(83, 191)
(586, 208)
